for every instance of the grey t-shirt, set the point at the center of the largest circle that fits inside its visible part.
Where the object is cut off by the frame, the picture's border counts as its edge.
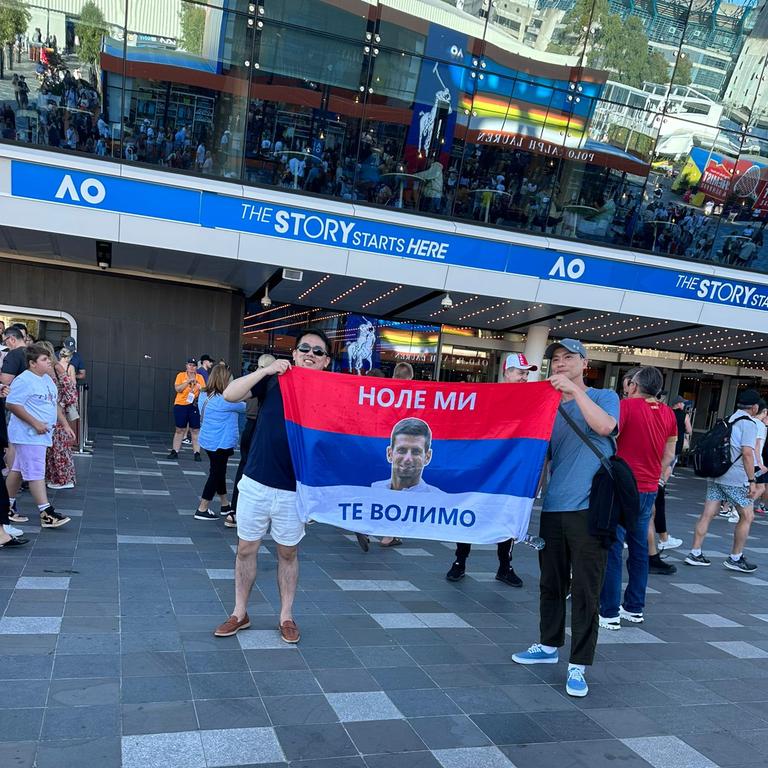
(572, 464)
(743, 434)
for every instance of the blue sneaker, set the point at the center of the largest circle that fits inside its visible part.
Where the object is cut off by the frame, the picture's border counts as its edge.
(576, 685)
(535, 655)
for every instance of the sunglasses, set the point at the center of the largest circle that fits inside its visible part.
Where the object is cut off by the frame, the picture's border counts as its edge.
(316, 351)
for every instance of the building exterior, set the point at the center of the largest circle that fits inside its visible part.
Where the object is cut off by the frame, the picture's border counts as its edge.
(212, 177)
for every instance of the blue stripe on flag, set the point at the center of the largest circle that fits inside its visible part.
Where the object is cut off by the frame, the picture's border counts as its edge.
(510, 466)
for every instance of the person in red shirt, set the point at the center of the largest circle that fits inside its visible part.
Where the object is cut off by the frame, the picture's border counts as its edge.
(647, 438)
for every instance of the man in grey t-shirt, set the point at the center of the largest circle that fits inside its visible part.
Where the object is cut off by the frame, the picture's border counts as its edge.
(572, 556)
(737, 486)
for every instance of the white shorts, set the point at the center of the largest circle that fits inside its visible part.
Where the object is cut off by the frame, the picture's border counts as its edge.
(259, 506)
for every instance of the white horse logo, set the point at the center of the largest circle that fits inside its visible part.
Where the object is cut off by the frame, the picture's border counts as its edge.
(361, 349)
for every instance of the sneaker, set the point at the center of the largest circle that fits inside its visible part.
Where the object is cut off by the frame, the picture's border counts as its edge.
(535, 655)
(50, 518)
(660, 568)
(232, 626)
(172, 455)
(230, 521)
(14, 516)
(576, 685)
(696, 559)
(635, 618)
(613, 623)
(508, 576)
(197, 456)
(456, 572)
(739, 565)
(224, 511)
(11, 531)
(187, 441)
(60, 486)
(670, 543)
(725, 512)
(207, 514)
(733, 517)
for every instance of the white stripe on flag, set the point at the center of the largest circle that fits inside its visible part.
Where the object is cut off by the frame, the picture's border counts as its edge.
(476, 518)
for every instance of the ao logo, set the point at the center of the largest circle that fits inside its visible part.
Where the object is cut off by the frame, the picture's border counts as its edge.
(91, 191)
(457, 52)
(573, 268)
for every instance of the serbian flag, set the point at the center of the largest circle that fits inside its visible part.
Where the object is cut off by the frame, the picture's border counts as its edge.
(417, 459)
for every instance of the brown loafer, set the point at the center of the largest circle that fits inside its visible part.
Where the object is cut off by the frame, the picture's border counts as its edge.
(289, 631)
(232, 626)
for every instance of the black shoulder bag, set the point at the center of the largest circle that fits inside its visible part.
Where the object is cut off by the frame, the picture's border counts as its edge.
(614, 498)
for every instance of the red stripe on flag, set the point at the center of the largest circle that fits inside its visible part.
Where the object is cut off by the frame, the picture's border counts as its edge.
(335, 402)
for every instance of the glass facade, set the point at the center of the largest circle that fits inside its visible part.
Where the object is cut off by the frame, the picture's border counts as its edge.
(627, 122)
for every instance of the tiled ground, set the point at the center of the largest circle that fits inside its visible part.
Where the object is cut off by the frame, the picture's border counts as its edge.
(107, 656)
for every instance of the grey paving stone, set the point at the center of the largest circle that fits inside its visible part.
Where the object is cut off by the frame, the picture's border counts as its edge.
(473, 757)
(26, 695)
(215, 714)
(404, 760)
(255, 639)
(711, 620)
(86, 665)
(19, 754)
(740, 649)
(354, 707)
(84, 692)
(164, 750)
(101, 751)
(515, 728)
(30, 625)
(80, 722)
(139, 690)
(448, 732)
(241, 746)
(86, 644)
(384, 736)
(158, 717)
(299, 710)
(398, 620)
(668, 752)
(695, 589)
(20, 724)
(329, 740)
(43, 582)
(225, 685)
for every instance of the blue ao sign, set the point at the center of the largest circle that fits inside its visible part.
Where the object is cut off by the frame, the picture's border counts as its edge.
(364, 236)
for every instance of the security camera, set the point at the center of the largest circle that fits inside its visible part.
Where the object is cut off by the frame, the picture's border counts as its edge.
(447, 301)
(266, 301)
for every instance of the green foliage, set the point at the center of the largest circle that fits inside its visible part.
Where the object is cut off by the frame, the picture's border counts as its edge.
(683, 72)
(192, 28)
(657, 69)
(14, 20)
(91, 28)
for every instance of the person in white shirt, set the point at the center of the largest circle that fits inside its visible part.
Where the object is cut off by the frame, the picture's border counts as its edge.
(33, 405)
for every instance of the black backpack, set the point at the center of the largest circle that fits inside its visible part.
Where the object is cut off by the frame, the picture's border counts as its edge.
(712, 454)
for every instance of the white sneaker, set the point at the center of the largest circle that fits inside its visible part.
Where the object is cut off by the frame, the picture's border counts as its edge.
(635, 618)
(60, 486)
(670, 543)
(733, 518)
(13, 531)
(612, 624)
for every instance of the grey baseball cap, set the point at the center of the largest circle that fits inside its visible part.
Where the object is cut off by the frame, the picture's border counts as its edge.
(572, 345)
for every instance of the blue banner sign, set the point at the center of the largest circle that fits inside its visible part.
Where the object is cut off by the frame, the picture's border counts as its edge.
(208, 209)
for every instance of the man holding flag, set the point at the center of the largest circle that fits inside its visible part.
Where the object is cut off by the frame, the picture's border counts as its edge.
(572, 556)
(267, 490)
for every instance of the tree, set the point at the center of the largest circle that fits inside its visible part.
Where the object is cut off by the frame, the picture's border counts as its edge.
(657, 69)
(91, 29)
(192, 19)
(14, 20)
(683, 71)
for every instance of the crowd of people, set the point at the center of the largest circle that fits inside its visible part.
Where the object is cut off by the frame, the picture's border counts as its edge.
(38, 391)
(584, 531)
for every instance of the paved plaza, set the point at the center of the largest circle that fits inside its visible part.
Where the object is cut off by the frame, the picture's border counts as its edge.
(107, 656)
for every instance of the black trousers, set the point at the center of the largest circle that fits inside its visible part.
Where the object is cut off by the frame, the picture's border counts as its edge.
(571, 558)
(660, 517)
(245, 445)
(503, 551)
(217, 473)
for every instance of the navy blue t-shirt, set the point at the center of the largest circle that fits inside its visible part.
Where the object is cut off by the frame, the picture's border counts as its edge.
(269, 457)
